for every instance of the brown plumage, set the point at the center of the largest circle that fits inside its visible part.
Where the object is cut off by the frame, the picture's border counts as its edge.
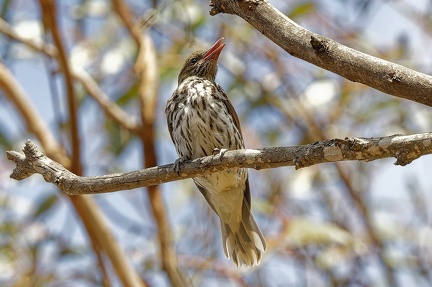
(201, 119)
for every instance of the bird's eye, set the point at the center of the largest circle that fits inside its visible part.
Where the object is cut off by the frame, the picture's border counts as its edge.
(194, 60)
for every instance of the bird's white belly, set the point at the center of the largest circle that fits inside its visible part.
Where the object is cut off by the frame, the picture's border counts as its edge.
(225, 192)
(222, 181)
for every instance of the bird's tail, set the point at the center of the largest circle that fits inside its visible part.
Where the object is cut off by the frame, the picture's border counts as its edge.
(244, 243)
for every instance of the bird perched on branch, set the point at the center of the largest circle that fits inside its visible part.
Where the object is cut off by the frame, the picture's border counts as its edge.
(202, 121)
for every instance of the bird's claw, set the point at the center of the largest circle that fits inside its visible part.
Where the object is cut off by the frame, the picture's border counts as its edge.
(177, 164)
(219, 151)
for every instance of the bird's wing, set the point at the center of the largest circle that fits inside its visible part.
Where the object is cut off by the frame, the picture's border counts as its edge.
(246, 193)
(205, 194)
(233, 113)
(230, 108)
(170, 128)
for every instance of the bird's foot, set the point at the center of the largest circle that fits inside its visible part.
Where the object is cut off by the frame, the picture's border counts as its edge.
(177, 164)
(219, 151)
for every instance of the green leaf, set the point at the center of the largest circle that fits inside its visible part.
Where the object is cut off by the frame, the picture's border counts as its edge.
(46, 204)
(131, 93)
(302, 9)
(4, 140)
(119, 138)
(72, 251)
(4, 9)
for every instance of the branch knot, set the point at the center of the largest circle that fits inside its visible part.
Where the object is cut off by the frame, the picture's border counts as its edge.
(319, 44)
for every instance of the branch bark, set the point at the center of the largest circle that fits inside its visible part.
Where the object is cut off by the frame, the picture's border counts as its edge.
(328, 54)
(404, 148)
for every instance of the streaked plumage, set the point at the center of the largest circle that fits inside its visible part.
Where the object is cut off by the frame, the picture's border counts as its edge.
(201, 119)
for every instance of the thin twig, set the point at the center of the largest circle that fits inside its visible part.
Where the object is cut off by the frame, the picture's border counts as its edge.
(42, 47)
(110, 108)
(49, 15)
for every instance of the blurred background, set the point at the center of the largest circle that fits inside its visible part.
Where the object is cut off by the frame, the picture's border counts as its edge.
(95, 75)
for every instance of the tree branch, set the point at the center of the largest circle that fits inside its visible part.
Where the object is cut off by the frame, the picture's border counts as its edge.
(110, 108)
(146, 69)
(404, 148)
(39, 46)
(328, 54)
(49, 17)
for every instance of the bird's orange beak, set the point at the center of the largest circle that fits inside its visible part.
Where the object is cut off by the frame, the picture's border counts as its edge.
(214, 52)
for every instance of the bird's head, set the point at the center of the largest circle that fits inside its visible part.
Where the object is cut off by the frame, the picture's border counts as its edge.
(202, 64)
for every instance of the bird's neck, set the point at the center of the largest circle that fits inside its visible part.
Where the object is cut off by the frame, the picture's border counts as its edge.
(197, 78)
(192, 80)
(193, 86)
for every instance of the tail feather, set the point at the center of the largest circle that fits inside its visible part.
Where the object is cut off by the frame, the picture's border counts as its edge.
(244, 243)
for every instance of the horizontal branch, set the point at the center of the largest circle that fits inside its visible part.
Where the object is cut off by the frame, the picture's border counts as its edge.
(404, 148)
(326, 53)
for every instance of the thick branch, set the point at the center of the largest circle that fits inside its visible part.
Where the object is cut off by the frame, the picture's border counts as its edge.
(384, 76)
(404, 148)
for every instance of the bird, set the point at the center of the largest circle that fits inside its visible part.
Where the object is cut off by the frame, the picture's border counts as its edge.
(202, 121)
